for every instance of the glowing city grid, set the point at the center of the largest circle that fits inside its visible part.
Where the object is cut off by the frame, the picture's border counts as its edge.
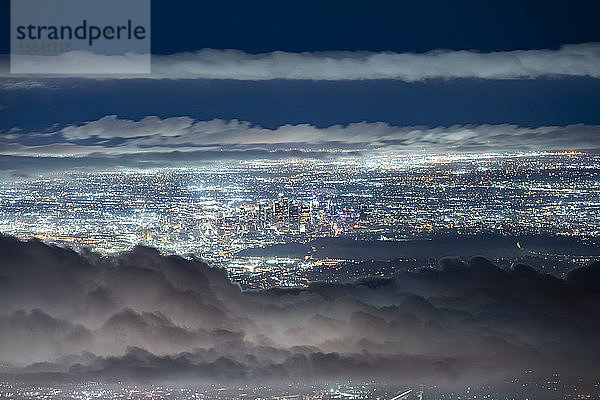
(215, 210)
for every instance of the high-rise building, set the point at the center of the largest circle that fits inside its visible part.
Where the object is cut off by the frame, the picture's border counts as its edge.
(294, 213)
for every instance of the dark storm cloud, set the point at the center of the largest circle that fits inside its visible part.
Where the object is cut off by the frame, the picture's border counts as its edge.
(142, 316)
(23, 333)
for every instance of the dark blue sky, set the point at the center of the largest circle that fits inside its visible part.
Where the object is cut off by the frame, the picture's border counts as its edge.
(401, 26)
(273, 103)
(377, 25)
(307, 25)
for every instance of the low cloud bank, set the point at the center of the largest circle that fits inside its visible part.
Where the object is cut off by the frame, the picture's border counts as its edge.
(112, 136)
(144, 317)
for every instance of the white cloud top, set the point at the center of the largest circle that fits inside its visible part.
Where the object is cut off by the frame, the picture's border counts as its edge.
(112, 135)
(570, 60)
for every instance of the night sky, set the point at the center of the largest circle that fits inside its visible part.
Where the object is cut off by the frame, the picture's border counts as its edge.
(502, 63)
(409, 26)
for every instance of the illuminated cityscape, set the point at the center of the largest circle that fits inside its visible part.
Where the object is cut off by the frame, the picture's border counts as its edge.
(542, 388)
(225, 212)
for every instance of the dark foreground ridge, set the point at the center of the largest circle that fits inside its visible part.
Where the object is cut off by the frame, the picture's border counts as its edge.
(144, 317)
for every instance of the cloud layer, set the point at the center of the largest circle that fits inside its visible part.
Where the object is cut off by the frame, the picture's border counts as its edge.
(112, 135)
(141, 316)
(570, 60)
